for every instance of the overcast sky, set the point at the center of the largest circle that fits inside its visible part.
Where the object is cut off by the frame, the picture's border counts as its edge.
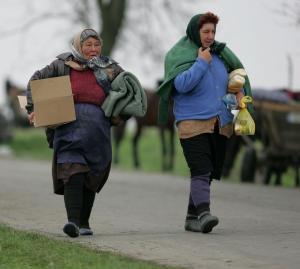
(259, 36)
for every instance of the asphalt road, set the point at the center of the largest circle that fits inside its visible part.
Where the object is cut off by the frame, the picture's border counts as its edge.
(142, 215)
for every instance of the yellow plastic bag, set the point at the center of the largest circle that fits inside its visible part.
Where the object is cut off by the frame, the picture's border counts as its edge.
(244, 124)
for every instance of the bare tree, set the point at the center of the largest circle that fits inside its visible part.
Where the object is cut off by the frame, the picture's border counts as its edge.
(290, 10)
(112, 14)
(82, 10)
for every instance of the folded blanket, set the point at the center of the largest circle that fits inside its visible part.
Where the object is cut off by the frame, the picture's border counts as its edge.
(127, 97)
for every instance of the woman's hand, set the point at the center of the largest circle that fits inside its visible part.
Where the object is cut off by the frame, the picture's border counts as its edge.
(115, 120)
(204, 54)
(31, 117)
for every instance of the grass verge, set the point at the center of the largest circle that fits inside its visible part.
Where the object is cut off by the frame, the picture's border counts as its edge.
(24, 250)
(30, 143)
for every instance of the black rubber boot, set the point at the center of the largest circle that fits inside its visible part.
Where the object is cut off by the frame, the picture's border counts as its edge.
(73, 190)
(87, 205)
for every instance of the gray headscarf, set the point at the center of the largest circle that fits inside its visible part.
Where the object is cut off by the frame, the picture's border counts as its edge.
(78, 41)
(97, 64)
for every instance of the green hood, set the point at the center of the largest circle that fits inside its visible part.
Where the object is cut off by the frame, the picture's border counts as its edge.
(183, 55)
(192, 32)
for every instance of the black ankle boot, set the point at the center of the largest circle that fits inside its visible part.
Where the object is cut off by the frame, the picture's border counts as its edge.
(204, 223)
(204, 207)
(71, 229)
(201, 220)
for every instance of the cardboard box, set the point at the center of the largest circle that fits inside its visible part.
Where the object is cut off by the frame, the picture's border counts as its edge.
(22, 101)
(53, 101)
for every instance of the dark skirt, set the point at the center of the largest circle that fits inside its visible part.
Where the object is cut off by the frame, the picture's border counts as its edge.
(205, 153)
(84, 146)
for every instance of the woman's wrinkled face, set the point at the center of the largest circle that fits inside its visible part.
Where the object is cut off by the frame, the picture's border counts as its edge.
(207, 34)
(91, 47)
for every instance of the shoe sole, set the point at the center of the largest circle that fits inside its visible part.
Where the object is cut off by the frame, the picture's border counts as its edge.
(71, 230)
(189, 227)
(85, 232)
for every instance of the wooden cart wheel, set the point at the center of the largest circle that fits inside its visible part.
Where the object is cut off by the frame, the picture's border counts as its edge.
(248, 165)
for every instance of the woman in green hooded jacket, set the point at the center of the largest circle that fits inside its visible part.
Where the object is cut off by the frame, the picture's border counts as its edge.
(196, 79)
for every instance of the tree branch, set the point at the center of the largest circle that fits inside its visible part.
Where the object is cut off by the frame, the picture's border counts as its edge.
(30, 23)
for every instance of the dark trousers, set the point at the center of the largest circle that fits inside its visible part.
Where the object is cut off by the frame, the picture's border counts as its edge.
(79, 200)
(205, 153)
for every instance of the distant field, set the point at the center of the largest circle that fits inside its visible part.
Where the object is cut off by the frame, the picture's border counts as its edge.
(31, 143)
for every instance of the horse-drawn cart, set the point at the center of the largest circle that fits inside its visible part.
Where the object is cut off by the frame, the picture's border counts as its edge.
(278, 129)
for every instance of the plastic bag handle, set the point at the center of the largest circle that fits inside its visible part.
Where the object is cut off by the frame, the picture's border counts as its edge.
(245, 100)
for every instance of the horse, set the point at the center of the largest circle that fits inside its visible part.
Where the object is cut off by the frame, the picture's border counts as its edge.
(149, 120)
(5, 128)
(20, 118)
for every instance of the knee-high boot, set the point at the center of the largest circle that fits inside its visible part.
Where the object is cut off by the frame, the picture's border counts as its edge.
(87, 205)
(73, 197)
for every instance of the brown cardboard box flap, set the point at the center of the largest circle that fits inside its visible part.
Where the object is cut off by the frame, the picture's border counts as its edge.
(22, 101)
(53, 101)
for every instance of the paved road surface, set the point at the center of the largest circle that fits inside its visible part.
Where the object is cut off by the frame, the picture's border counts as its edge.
(142, 215)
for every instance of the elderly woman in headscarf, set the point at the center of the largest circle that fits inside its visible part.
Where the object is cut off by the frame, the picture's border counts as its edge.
(82, 148)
